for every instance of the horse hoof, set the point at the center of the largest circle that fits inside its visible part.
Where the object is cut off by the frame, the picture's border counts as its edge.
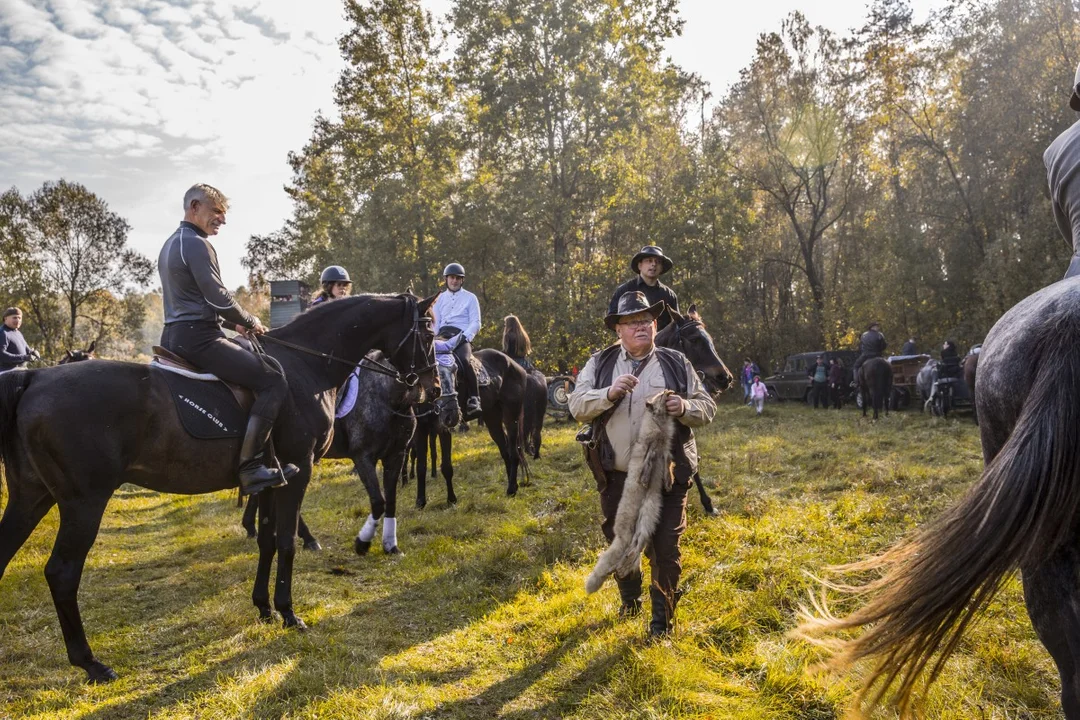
(312, 544)
(292, 621)
(421, 505)
(251, 534)
(394, 551)
(511, 492)
(361, 546)
(266, 616)
(99, 673)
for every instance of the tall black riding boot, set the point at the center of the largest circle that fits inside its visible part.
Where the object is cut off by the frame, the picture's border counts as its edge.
(630, 593)
(663, 612)
(255, 475)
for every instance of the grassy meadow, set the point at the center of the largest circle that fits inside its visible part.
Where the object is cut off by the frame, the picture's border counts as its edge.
(486, 617)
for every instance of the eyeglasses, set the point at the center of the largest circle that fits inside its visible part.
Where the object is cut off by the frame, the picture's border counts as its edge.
(637, 323)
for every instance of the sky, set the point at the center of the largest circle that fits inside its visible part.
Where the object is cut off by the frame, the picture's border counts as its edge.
(140, 99)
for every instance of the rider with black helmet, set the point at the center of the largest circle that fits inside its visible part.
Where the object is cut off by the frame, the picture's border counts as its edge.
(335, 284)
(1062, 160)
(457, 318)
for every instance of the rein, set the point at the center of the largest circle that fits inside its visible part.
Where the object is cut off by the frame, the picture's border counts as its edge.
(409, 380)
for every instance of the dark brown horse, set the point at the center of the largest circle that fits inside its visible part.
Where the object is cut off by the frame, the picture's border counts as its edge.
(875, 384)
(1024, 512)
(136, 437)
(517, 345)
(688, 335)
(503, 403)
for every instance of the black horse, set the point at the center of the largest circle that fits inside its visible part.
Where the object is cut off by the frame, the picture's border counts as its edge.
(875, 384)
(1024, 512)
(687, 334)
(137, 438)
(503, 403)
(79, 355)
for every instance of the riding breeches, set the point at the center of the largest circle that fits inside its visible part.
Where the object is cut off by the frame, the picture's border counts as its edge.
(205, 345)
(470, 386)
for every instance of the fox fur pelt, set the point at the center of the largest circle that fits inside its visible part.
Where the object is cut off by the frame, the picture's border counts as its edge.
(639, 508)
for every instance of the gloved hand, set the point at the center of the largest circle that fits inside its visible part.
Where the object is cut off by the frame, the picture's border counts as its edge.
(456, 340)
(34, 355)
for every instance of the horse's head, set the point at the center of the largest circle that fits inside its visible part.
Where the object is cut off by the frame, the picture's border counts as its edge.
(688, 336)
(408, 345)
(78, 355)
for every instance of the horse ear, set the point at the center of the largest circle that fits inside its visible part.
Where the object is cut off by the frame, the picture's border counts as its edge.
(692, 310)
(673, 313)
(426, 303)
(90, 349)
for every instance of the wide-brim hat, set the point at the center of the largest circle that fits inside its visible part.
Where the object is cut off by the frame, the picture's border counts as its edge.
(633, 303)
(651, 251)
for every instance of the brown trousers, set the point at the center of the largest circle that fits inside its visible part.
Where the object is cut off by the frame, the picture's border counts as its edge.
(663, 552)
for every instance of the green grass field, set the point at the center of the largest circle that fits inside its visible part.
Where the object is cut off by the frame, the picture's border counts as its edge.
(486, 616)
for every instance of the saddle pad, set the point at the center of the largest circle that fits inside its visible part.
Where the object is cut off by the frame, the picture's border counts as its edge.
(208, 410)
(482, 377)
(347, 395)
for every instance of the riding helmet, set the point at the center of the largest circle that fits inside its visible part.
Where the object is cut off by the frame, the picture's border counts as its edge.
(335, 273)
(453, 269)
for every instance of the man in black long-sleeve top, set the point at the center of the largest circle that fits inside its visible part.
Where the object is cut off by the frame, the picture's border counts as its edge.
(647, 266)
(14, 351)
(196, 303)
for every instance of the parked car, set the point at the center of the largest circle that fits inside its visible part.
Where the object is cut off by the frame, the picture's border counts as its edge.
(791, 382)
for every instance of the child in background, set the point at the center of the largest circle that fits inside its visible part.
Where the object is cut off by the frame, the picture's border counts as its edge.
(758, 393)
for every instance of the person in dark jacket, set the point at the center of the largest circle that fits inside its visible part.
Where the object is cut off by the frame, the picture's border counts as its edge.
(819, 382)
(950, 361)
(1062, 161)
(196, 303)
(648, 265)
(14, 351)
(335, 284)
(836, 383)
(871, 345)
(909, 348)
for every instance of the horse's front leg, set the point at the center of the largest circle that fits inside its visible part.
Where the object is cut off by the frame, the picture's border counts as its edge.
(392, 465)
(495, 427)
(260, 594)
(446, 441)
(287, 510)
(365, 468)
(420, 455)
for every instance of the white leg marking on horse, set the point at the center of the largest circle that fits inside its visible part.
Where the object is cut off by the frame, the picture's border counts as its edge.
(389, 533)
(368, 530)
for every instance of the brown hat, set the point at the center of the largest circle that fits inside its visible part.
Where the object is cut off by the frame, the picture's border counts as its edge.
(633, 303)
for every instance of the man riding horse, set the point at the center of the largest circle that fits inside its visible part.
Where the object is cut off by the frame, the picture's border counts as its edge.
(196, 302)
(1062, 160)
(457, 319)
(871, 345)
(648, 265)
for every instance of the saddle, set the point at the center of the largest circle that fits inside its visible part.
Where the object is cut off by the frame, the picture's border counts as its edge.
(447, 359)
(209, 407)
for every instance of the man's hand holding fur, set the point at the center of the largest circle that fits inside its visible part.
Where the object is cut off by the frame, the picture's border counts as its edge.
(675, 405)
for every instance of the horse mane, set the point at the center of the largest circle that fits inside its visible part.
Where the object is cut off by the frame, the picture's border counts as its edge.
(317, 316)
(515, 341)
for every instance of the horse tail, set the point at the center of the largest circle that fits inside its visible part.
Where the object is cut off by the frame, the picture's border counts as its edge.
(930, 586)
(12, 385)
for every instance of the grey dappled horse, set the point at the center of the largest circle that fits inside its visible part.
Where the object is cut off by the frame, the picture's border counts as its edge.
(1023, 513)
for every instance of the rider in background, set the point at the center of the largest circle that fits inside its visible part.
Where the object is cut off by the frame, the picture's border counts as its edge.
(1062, 160)
(648, 265)
(335, 285)
(457, 319)
(871, 345)
(950, 361)
(196, 302)
(14, 351)
(516, 342)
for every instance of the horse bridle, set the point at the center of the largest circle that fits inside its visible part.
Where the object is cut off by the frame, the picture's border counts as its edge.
(682, 343)
(409, 379)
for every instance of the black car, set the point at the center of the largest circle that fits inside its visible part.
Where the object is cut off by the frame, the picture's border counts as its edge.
(792, 382)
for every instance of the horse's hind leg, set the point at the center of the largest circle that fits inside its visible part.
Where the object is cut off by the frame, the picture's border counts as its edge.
(706, 501)
(79, 523)
(250, 511)
(366, 470)
(499, 437)
(1052, 596)
(27, 504)
(310, 541)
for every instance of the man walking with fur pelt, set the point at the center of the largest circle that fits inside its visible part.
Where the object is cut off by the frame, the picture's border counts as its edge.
(612, 391)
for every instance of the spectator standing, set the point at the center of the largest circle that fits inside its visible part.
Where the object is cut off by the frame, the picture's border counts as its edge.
(836, 383)
(758, 392)
(819, 379)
